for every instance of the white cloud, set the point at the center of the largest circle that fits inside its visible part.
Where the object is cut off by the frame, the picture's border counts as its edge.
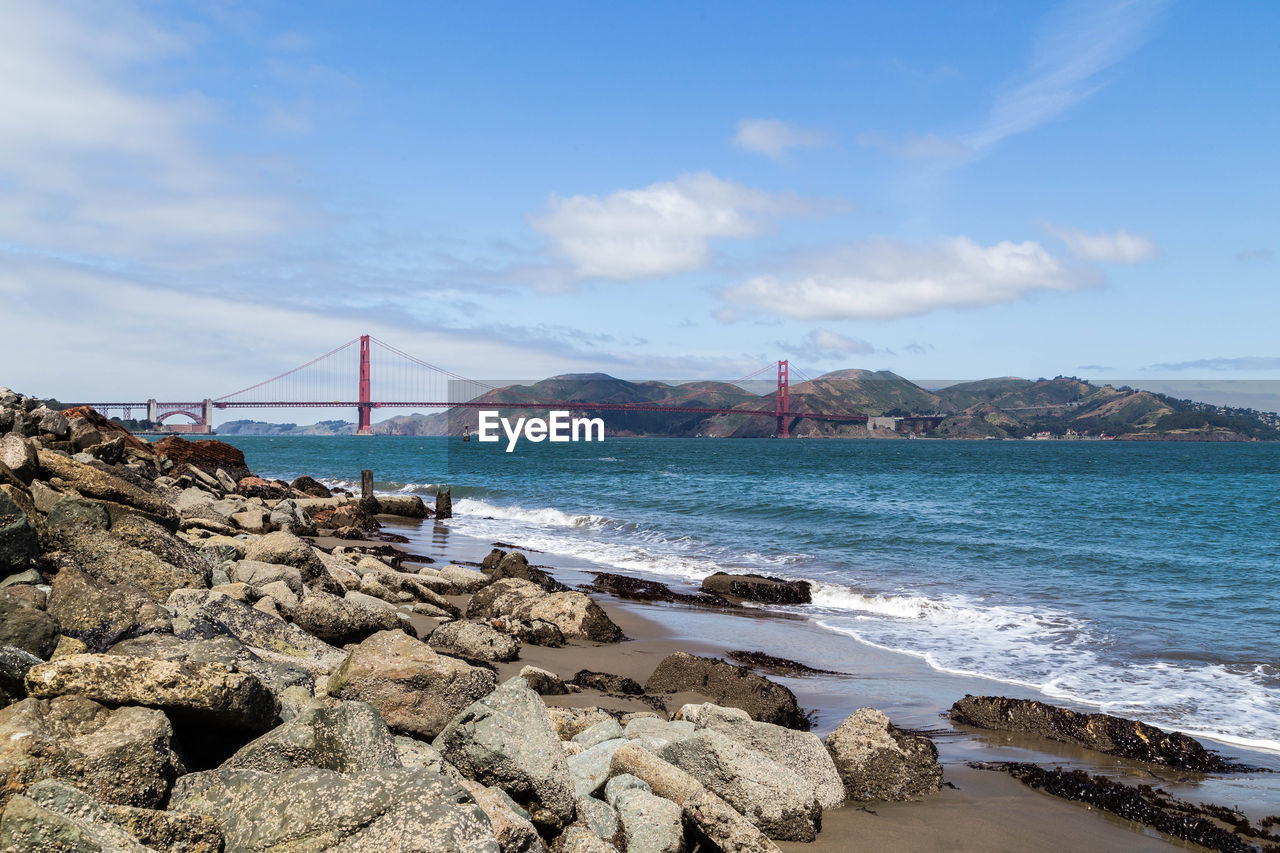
(665, 227)
(824, 344)
(885, 278)
(95, 160)
(1077, 43)
(1119, 247)
(772, 137)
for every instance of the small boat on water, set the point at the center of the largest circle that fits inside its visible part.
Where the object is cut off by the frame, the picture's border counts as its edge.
(466, 433)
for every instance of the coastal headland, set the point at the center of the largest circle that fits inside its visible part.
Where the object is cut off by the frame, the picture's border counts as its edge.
(196, 658)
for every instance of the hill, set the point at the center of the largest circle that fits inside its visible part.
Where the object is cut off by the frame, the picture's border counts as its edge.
(1003, 407)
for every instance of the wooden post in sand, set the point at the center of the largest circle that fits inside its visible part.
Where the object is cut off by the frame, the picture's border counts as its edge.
(444, 503)
(368, 502)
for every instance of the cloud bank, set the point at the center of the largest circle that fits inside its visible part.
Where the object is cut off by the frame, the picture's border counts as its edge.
(775, 138)
(1119, 247)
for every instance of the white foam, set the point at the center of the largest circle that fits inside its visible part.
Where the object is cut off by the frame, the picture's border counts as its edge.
(546, 516)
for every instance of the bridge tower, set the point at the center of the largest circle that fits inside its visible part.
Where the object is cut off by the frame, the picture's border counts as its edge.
(783, 429)
(151, 410)
(206, 414)
(364, 426)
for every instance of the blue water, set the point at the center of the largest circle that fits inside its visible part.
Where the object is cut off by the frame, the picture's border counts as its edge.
(1143, 579)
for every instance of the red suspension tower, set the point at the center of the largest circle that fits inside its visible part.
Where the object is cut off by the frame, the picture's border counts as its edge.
(365, 426)
(783, 429)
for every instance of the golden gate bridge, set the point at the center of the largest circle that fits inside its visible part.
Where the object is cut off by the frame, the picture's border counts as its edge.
(411, 383)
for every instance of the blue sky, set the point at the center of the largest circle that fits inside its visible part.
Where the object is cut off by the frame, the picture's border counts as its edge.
(194, 197)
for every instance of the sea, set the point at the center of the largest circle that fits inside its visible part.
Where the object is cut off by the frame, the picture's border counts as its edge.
(1139, 579)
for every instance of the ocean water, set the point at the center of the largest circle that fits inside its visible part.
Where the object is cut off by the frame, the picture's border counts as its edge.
(1138, 579)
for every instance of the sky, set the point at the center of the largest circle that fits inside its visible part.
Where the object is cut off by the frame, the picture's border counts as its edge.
(198, 196)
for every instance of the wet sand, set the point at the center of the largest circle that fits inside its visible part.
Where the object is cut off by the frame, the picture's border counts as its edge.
(977, 810)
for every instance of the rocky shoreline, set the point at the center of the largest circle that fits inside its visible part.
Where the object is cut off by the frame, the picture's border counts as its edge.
(193, 658)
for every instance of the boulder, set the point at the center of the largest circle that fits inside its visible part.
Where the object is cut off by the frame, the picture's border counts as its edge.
(309, 486)
(708, 814)
(1100, 732)
(258, 574)
(73, 511)
(405, 506)
(27, 827)
(571, 721)
(589, 769)
(543, 682)
(285, 549)
(782, 804)
(253, 519)
(19, 542)
(125, 756)
(209, 694)
(600, 818)
(463, 581)
(507, 740)
(18, 454)
(572, 613)
(93, 482)
(341, 621)
(51, 423)
(347, 737)
(100, 614)
(728, 685)
(607, 682)
(198, 504)
(649, 824)
(71, 817)
(758, 588)
(27, 628)
(474, 640)
(501, 564)
(803, 753)
(256, 487)
(878, 761)
(288, 516)
(602, 731)
(577, 838)
(312, 809)
(128, 555)
(202, 614)
(416, 690)
(14, 664)
(511, 825)
(290, 683)
(402, 587)
(207, 456)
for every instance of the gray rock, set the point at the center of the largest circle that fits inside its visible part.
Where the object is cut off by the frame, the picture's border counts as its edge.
(313, 810)
(84, 435)
(474, 640)
(27, 827)
(257, 573)
(508, 740)
(93, 482)
(19, 542)
(210, 694)
(600, 818)
(25, 627)
(52, 423)
(100, 614)
(543, 682)
(463, 580)
(287, 549)
(282, 678)
(20, 457)
(723, 825)
(780, 803)
(511, 825)
(201, 614)
(225, 480)
(14, 664)
(649, 824)
(285, 598)
(339, 621)
(112, 558)
(73, 510)
(417, 753)
(803, 753)
(574, 614)
(621, 783)
(125, 756)
(579, 838)
(417, 690)
(728, 685)
(602, 731)
(347, 737)
(116, 827)
(404, 588)
(589, 769)
(878, 761)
